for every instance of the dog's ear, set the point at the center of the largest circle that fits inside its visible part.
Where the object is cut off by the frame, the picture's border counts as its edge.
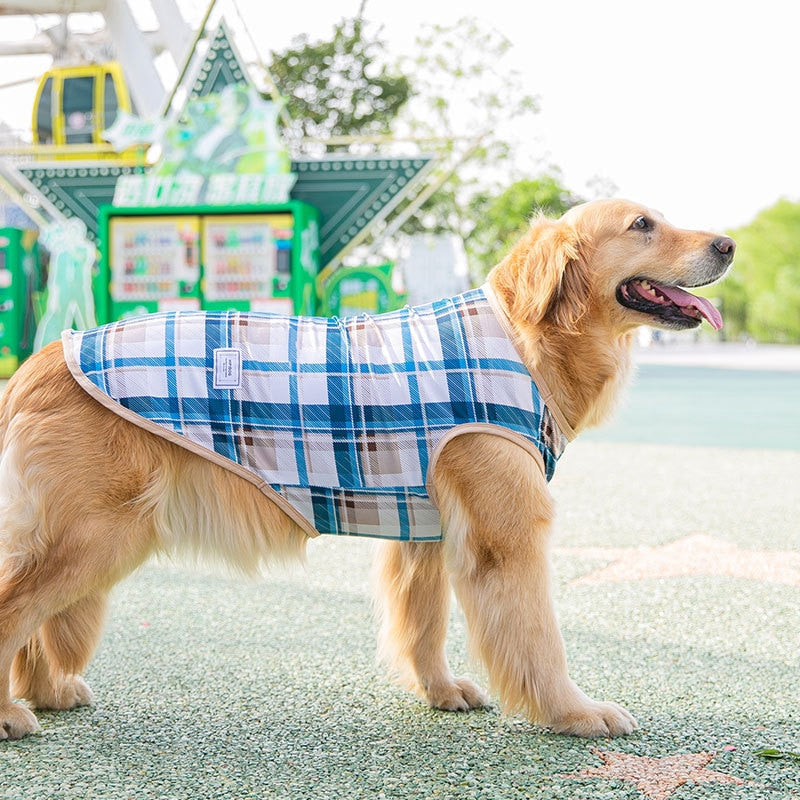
(545, 277)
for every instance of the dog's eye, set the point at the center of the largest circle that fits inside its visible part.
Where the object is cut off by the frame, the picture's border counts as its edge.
(641, 224)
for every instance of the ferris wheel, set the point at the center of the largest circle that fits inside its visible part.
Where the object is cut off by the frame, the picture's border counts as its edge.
(107, 64)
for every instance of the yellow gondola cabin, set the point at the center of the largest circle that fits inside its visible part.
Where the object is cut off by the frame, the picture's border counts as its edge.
(74, 105)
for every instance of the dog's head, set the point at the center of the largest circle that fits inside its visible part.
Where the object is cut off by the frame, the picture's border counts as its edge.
(614, 262)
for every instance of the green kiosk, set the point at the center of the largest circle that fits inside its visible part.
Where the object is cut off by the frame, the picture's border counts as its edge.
(212, 225)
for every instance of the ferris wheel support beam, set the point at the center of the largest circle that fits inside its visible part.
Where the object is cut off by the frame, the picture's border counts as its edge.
(176, 31)
(136, 57)
(25, 7)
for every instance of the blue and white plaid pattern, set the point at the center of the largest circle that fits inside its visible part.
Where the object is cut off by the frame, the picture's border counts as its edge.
(340, 417)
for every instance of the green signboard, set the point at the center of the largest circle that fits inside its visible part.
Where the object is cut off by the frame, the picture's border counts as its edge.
(224, 149)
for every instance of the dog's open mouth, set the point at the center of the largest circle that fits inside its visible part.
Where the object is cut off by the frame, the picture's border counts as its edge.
(675, 307)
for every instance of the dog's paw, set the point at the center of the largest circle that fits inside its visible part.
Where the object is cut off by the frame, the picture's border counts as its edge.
(16, 721)
(460, 694)
(595, 720)
(70, 692)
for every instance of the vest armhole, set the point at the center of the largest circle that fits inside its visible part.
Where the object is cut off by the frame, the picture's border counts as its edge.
(541, 385)
(184, 442)
(485, 428)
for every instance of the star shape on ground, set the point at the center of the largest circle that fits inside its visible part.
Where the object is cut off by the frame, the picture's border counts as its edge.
(655, 778)
(690, 556)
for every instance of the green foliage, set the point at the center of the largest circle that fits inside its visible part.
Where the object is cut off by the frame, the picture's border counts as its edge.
(773, 754)
(761, 296)
(462, 81)
(502, 219)
(341, 87)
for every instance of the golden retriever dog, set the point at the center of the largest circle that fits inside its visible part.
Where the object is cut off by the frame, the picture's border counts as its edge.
(87, 495)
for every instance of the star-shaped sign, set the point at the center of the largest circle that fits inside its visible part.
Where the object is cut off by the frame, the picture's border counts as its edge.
(694, 555)
(655, 778)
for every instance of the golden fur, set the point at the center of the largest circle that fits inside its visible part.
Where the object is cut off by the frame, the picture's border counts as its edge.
(86, 496)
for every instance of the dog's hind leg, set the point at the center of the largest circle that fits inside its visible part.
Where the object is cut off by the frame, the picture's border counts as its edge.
(51, 612)
(47, 670)
(499, 562)
(413, 595)
(71, 474)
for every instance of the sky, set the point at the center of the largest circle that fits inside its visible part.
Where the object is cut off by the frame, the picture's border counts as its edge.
(692, 108)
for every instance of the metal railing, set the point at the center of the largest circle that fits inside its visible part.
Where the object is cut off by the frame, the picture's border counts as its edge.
(29, 153)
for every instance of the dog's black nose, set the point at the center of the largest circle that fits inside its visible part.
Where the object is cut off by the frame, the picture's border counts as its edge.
(725, 246)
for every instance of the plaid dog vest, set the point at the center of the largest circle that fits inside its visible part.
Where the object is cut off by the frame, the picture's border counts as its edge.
(339, 421)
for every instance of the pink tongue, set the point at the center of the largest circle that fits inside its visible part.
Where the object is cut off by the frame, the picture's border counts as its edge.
(684, 300)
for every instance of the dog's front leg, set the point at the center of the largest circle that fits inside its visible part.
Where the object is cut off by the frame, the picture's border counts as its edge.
(497, 512)
(413, 595)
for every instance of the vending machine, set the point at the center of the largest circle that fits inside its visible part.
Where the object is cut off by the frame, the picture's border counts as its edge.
(250, 258)
(153, 264)
(21, 288)
(247, 263)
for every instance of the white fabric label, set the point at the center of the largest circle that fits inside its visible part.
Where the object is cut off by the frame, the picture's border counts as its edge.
(227, 368)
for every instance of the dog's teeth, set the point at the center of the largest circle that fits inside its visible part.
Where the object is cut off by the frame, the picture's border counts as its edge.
(647, 289)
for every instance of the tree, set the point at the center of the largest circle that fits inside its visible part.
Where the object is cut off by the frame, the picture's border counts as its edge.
(463, 89)
(341, 87)
(502, 219)
(457, 93)
(761, 296)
